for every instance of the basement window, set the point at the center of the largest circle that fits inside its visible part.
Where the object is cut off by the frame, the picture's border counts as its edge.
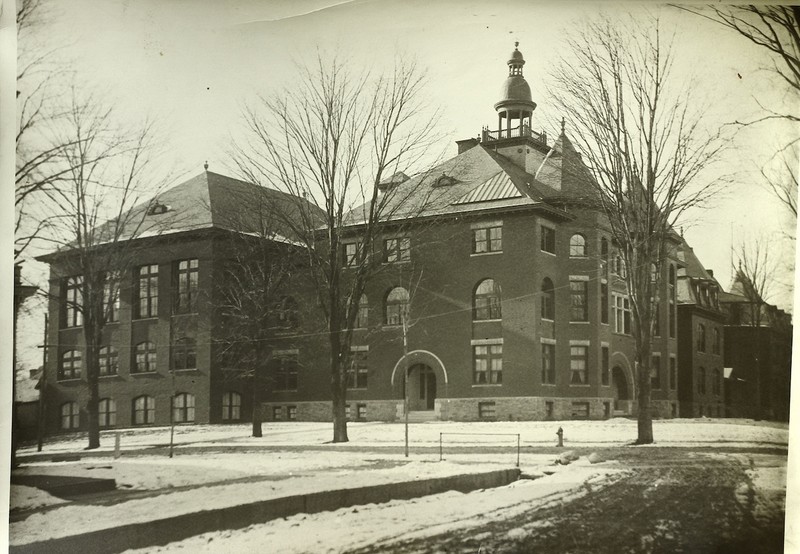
(486, 410)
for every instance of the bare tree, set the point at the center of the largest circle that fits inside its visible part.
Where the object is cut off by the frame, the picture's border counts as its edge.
(782, 182)
(338, 139)
(94, 217)
(645, 148)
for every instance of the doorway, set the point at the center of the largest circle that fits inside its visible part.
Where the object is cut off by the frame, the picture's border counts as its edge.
(422, 388)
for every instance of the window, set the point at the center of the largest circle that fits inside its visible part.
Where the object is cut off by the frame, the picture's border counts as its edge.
(579, 305)
(619, 267)
(144, 410)
(548, 239)
(145, 358)
(183, 408)
(578, 362)
(701, 337)
(350, 251)
(603, 257)
(715, 382)
(603, 302)
(362, 317)
(361, 411)
(673, 374)
(397, 249)
(653, 273)
(107, 412)
(488, 364)
(147, 292)
(287, 313)
(485, 240)
(184, 354)
(186, 286)
(486, 301)
(701, 385)
(357, 370)
(577, 246)
(277, 413)
(231, 406)
(396, 306)
(71, 365)
(285, 370)
(657, 321)
(606, 410)
(672, 297)
(716, 345)
(622, 314)
(548, 364)
(111, 298)
(655, 372)
(605, 372)
(549, 409)
(291, 413)
(109, 360)
(548, 299)
(347, 412)
(70, 415)
(486, 410)
(580, 410)
(73, 302)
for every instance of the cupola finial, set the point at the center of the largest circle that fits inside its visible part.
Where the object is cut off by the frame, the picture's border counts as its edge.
(205, 165)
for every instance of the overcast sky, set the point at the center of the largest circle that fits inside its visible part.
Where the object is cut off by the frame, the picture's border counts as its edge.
(192, 64)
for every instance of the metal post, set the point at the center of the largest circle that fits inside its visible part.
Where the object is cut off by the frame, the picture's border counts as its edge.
(517, 449)
(172, 415)
(116, 445)
(404, 315)
(441, 455)
(42, 390)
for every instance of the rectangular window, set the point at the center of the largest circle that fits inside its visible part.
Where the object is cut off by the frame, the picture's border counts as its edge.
(277, 413)
(186, 286)
(361, 412)
(548, 239)
(549, 409)
(657, 321)
(144, 410)
(291, 413)
(672, 326)
(111, 298)
(146, 289)
(358, 369)
(578, 362)
(605, 371)
(622, 314)
(580, 410)
(350, 254)
(486, 410)
(489, 239)
(285, 371)
(655, 372)
(603, 302)
(397, 249)
(548, 364)
(579, 305)
(488, 364)
(107, 412)
(73, 302)
(673, 374)
(184, 353)
(347, 412)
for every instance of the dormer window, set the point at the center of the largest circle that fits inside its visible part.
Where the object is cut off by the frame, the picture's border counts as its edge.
(157, 208)
(444, 181)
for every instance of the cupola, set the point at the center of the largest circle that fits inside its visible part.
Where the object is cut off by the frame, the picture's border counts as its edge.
(515, 97)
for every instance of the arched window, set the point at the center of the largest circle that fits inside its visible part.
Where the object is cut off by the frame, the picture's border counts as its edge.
(548, 299)
(362, 317)
(231, 406)
(144, 410)
(145, 358)
(109, 360)
(71, 364)
(288, 313)
(70, 415)
(396, 306)
(653, 273)
(486, 301)
(701, 337)
(577, 246)
(701, 384)
(183, 408)
(107, 412)
(184, 353)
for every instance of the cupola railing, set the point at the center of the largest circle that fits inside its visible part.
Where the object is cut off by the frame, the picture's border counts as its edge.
(514, 132)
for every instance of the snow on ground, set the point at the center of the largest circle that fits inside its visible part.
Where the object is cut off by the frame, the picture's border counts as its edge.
(25, 498)
(375, 524)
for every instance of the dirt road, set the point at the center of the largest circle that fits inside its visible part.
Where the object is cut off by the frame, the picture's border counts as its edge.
(673, 500)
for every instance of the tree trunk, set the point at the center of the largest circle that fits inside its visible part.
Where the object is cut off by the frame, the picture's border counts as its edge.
(338, 390)
(645, 417)
(92, 374)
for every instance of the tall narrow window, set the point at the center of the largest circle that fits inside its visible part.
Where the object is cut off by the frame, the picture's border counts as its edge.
(548, 242)
(146, 291)
(701, 337)
(144, 358)
(231, 406)
(73, 302)
(489, 239)
(396, 306)
(548, 364)
(184, 353)
(486, 301)
(655, 372)
(577, 246)
(109, 360)
(701, 384)
(578, 362)
(716, 345)
(71, 365)
(488, 364)
(183, 408)
(673, 374)
(605, 372)
(111, 298)
(288, 313)
(672, 297)
(622, 314)
(187, 272)
(362, 317)
(358, 369)
(144, 410)
(548, 299)
(715, 382)
(70, 415)
(396, 249)
(107, 412)
(579, 305)
(284, 366)
(657, 321)
(603, 302)
(603, 257)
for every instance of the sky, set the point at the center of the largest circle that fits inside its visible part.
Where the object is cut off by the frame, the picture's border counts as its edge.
(193, 64)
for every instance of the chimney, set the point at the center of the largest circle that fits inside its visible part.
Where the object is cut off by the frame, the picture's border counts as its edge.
(710, 273)
(466, 144)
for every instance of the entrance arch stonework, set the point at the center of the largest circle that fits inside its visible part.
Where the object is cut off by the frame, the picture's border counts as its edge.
(421, 357)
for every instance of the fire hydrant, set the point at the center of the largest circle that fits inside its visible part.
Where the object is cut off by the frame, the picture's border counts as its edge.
(560, 434)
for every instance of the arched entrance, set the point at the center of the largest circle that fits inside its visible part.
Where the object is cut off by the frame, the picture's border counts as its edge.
(619, 385)
(421, 388)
